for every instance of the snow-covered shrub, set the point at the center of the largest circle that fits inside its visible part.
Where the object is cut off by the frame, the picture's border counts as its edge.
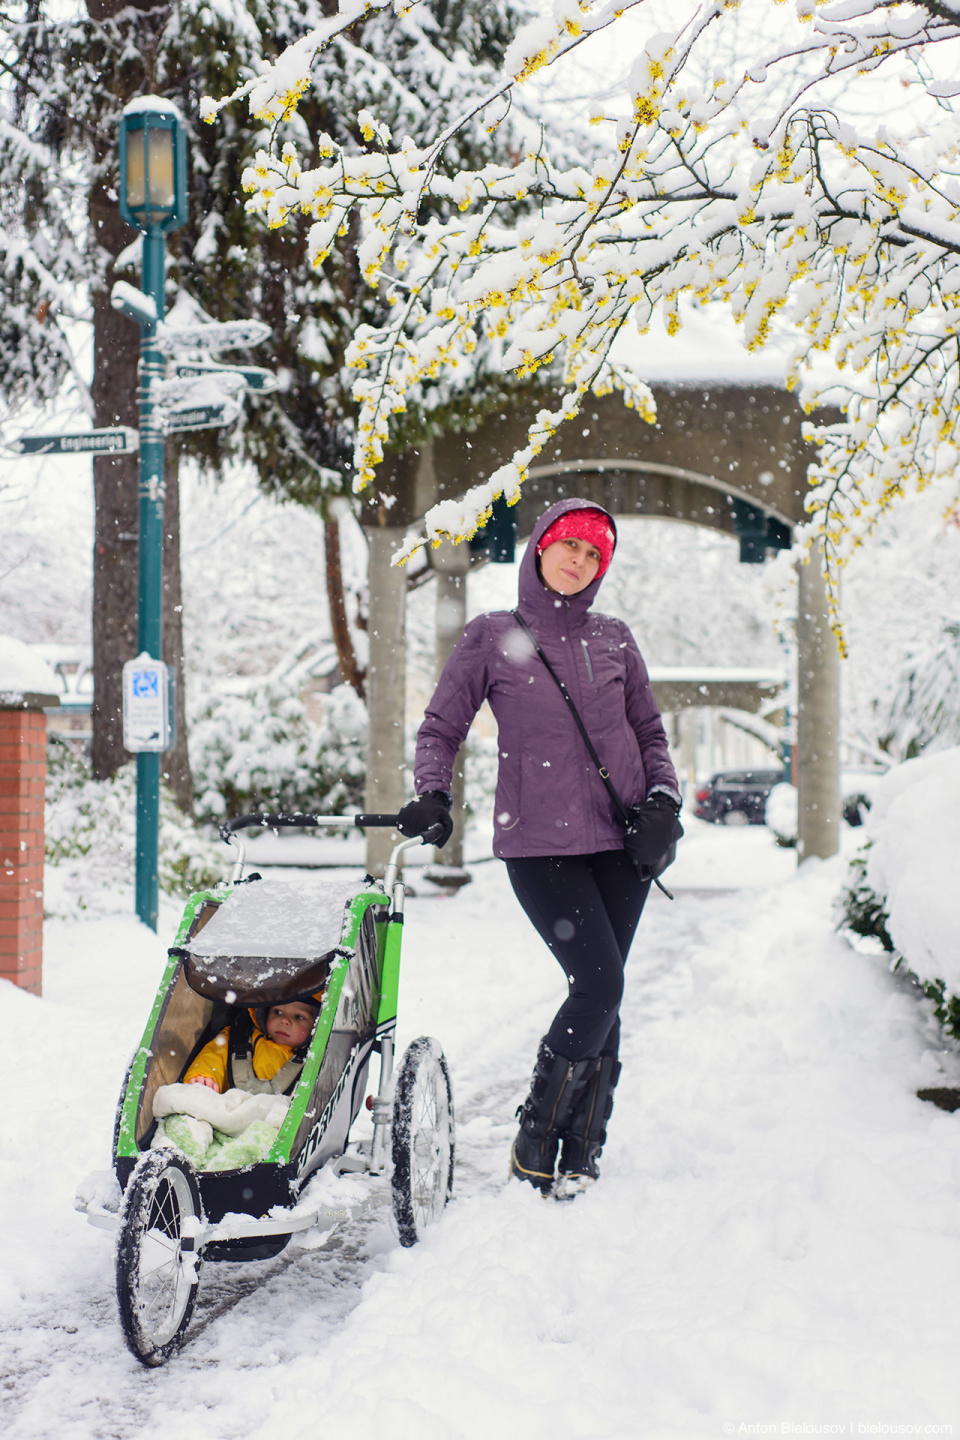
(925, 708)
(91, 836)
(856, 796)
(780, 814)
(483, 762)
(258, 750)
(900, 885)
(860, 909)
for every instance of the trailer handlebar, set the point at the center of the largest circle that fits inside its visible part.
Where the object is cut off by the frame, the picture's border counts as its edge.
(302, 820)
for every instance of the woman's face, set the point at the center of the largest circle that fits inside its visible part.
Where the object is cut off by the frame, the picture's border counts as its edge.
(569, 566)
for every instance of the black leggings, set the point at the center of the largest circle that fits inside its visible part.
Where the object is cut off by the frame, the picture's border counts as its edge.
(586, 908)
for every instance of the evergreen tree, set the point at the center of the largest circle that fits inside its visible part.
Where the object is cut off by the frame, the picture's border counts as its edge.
(66, 83)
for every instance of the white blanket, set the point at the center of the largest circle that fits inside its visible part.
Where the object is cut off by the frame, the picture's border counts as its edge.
(229, 1113)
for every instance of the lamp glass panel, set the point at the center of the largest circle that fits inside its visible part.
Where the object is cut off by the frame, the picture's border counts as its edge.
(136, 168)
(160, 156)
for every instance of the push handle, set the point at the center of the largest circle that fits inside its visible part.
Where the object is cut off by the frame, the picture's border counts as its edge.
(302, 820)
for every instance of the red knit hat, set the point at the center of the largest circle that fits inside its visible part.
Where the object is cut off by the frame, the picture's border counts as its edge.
(588, 524)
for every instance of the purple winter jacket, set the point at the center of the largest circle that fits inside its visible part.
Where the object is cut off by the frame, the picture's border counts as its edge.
(550, 799)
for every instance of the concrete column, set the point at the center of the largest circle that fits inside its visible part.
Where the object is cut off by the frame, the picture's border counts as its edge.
(23, 772)
(451, 563)
(688, 752)
(386, 683)
(818, 718)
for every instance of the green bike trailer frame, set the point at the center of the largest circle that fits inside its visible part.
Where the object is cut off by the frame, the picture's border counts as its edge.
(354, 958)
(247, 943)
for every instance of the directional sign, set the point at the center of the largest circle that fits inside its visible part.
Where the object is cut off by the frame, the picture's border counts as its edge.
(201, 417)
(225, 335)
(122, 441)
(253, 376)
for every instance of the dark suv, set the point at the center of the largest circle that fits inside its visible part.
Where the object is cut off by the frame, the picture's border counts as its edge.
(736, 797)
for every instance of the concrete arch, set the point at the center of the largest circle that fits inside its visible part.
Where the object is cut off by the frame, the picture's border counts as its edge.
(638, 487)
(745, 441)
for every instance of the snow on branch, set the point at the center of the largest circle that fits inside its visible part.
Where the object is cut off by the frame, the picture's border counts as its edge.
(756, 182)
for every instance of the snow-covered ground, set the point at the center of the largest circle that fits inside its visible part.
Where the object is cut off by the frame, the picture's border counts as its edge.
(774, 1247)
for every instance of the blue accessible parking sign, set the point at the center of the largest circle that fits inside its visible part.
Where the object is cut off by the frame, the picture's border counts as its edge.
(146, 717)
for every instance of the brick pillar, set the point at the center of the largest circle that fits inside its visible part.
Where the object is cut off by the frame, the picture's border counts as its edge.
(23, 770)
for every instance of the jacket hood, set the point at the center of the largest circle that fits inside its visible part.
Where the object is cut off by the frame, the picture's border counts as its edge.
(532, 593)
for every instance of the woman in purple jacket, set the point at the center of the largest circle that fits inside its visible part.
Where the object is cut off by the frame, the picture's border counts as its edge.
(556, 826)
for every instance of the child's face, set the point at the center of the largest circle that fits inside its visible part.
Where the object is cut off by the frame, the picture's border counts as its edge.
(289, 1024)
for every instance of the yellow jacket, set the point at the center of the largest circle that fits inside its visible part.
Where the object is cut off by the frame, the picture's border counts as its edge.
(268, 1058)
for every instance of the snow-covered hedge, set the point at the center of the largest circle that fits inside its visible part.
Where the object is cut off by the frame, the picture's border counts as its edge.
(780, 814)
(91, 836)
(258, 749)
(900, 888)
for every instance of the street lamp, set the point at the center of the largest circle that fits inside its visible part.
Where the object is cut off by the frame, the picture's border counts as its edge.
(153, 199)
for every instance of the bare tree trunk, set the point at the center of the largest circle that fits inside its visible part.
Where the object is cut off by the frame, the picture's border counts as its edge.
(116, 354)
(176, 762)
(350, 672)
(116, 350)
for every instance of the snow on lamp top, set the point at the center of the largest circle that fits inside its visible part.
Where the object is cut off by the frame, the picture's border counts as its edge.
(153, 174)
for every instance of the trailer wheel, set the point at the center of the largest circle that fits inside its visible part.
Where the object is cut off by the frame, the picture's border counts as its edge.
(158, 1268)
(422, 1139)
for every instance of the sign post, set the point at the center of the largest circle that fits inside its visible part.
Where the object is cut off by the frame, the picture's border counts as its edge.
(153, 199)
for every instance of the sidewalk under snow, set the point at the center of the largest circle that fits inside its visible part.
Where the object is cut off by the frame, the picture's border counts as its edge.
(775, 1241)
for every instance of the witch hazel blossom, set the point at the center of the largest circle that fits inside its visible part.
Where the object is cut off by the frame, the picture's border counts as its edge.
(750, 188)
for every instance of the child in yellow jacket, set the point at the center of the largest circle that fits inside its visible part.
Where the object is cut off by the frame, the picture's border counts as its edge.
(287, 1028)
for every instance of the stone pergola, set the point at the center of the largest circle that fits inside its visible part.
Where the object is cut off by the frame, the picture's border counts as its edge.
(728, 457)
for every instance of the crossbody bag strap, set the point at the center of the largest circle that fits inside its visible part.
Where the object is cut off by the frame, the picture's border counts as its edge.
(602, 770)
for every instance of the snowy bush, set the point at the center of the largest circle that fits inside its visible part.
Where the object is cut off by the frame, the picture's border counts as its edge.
(258, 750)
(91, 837)
(925, 708)
(900, 884)
(860, 908)
(483, 763)
(856, 796)
(780, 814)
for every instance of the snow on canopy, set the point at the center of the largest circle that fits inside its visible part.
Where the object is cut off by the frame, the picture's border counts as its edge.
(275, 919)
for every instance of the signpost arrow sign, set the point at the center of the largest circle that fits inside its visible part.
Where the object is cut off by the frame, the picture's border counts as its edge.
(121, 441)
(220, 335)
(201, 417)
(253, 376)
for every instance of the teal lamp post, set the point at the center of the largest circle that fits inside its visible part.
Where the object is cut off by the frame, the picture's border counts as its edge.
(153, 199)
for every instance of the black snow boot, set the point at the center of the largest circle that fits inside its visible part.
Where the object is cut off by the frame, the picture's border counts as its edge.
(545, 1114)
(587, 1128)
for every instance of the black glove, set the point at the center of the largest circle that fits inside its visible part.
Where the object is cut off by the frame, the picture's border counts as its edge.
(652, 835)
(429, 816)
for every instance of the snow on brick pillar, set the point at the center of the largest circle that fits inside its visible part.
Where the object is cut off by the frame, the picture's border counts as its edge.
(26, 689)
